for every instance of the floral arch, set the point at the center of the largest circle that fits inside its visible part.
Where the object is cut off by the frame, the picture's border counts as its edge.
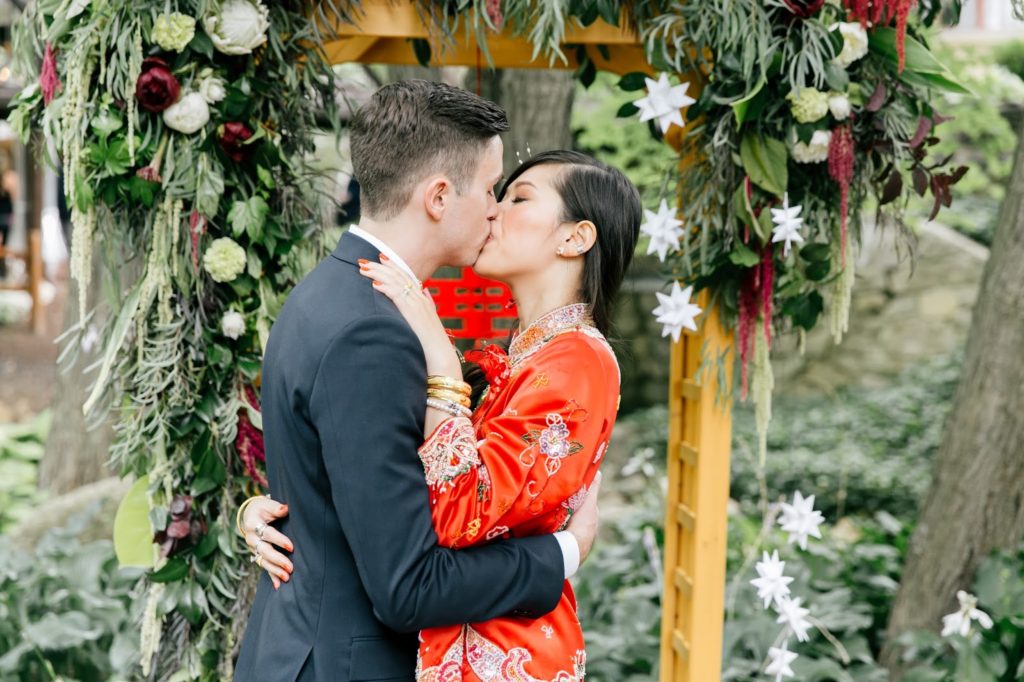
(185, 132)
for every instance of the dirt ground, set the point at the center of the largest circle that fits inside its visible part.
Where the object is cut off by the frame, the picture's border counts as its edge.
(28, 363)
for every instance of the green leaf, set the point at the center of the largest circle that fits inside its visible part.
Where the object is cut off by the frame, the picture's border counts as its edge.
(124, 319)
(266, 179)
(804, 309)
(837, 77)
(174, 570)
(764, 160)
(626, 110)
(743, 256)
(201, 43)
(816, 252)
(741, 107)
(421, 48)
(248, 217)
(936, 81)
(62, 631)
(133, 534)
(921, 67)
(209, 187)
(818, 270)
(142, 191)
(635, 80)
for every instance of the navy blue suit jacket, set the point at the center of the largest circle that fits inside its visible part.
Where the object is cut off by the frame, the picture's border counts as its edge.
(343, 393)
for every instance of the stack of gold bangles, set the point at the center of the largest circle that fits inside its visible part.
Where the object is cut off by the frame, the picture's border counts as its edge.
(449, 395)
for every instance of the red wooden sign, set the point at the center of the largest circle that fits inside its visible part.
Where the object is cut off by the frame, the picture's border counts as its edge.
(470, 306)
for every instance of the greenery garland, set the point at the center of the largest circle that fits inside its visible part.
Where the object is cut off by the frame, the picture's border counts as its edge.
(184, 129)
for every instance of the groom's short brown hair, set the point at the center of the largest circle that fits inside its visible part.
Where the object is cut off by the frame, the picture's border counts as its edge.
(413, 128)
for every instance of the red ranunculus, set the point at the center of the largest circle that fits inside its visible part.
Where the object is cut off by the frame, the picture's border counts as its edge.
(157, 88)
(232, 138)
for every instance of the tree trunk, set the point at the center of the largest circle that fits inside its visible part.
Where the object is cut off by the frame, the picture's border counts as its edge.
(75, 455)
(976, 500)
(539, 105)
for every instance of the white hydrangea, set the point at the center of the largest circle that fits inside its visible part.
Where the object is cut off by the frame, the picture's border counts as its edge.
(815, 151)
(839, 105)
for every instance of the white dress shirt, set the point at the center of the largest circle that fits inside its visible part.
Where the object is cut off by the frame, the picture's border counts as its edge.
(566, 540)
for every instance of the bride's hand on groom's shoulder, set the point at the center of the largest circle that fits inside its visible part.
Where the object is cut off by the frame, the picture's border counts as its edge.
(418, 309)
(264, 540)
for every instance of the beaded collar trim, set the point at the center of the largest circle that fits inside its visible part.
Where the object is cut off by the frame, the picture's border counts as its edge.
(547, 326)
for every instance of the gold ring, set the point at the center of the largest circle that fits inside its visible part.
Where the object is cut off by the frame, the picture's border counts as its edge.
(259, 560)
(407, 289)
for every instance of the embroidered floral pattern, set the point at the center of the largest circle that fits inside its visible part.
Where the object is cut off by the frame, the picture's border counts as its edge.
(490, 663)
(553, 442)
(546, 327)
(450, 452)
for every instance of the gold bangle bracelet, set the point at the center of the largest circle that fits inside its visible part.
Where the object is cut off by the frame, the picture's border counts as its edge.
(450, 396)
(441, 381)
(241, 512)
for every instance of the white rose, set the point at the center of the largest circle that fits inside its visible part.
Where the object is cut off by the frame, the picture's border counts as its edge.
(855, 42)
(839, 105)
(212, 89)
(232, 325)
(239, 27)
(188, 114)
(815, 151)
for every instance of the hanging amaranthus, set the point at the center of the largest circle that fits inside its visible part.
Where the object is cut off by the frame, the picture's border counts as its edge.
(840, 169)
(875, 12)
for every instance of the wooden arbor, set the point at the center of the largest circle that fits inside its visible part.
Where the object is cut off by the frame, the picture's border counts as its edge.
(699, 435)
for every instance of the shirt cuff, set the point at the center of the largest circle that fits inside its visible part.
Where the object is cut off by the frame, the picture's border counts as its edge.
(570, 552)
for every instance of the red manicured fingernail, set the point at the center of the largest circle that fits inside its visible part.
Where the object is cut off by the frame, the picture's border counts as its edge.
(277, 586)
(383, 258)
(285, 578)
(377, 284)
(362, 261)
(283, 509)
(291, 548)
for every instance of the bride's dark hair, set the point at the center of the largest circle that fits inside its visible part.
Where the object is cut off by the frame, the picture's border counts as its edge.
(594, 191)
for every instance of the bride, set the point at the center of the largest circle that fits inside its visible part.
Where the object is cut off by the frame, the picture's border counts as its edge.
(522, 461)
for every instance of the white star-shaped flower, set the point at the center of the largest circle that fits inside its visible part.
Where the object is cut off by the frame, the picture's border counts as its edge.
(795, 616)
(664, 229)
(801, 520)
(787, 224)
(664, 102)
(676, 311)
(779, 665)
(771, 584)
(959, 623)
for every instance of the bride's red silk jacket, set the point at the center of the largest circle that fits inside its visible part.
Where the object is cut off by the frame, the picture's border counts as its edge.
(521, 467)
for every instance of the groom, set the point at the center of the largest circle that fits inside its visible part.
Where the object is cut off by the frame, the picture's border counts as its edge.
(344, 397)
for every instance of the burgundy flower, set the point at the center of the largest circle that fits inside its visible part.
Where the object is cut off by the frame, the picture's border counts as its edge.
(149, 173)
(196, 228)
(184, 529)
(804, 8)
(249, 441)
(157, 88)
(232, 138)
(49, 83)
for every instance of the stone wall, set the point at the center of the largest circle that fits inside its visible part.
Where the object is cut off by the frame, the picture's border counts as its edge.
(904, 310)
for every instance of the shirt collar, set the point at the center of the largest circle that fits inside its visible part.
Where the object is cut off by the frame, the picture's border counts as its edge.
(385, 249)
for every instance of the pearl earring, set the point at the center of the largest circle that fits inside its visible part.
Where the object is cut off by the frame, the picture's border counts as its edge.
(560, 251)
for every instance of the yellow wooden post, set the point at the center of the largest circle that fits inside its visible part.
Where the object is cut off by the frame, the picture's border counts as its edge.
(700, 426)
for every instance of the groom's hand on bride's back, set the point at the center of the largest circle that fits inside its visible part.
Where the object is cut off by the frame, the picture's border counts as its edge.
(264, 540)
(585, 521)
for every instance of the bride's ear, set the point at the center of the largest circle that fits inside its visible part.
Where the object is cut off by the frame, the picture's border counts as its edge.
(580, 238)
(437, 196)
